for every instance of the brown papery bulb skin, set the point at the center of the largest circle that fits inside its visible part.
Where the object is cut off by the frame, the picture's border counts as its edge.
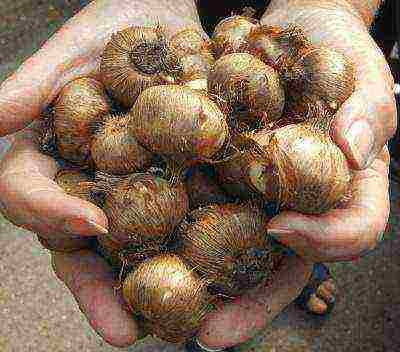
(75, 183)
(303, 169)
(241, 79)
(199, 84)
(203, 189)
(230, 34)
(114, 150)
(170, 296)
(228, 244)
(321, 74)
(275, 46)
(194, 55)
(80, 104)
(137, 58)
(233, 170)
(178, 122)
(144, 207)
(110, 250)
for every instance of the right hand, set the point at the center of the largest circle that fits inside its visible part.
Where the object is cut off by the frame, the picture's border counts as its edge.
(29, 197)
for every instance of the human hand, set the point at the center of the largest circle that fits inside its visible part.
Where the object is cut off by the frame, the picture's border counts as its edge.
(340, 234)
(353, 229)
(361, 128)
(240, 319)
(28, 195)
(92, 283)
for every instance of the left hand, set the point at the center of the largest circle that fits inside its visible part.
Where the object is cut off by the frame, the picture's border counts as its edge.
(344, 233)
(361, 128)
(339, 234)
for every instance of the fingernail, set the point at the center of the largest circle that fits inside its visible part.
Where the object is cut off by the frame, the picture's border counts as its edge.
(84, 227)
(280, 232)
(204, 348)
(361, 141)
(294, 240)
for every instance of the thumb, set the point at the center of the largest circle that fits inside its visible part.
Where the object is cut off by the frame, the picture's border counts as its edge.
(365, 122)
(345, 232)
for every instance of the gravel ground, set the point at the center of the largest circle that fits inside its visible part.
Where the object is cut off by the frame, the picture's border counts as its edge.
(38, 314)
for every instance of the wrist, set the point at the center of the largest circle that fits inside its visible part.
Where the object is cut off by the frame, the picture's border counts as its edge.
(361, 12)
(177, 14)
(114, 15)
(366, 8)
(338, 25)
(333, 23)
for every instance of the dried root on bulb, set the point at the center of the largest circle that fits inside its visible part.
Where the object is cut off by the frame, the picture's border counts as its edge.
(125, 257)
(230, 34)
(228, 244)
(302, 169)
(311, 74)
(320, 74)
(275, 46)
(143, 207)
(114, 149)
(195, 58)
(137, 58)
(241, 80)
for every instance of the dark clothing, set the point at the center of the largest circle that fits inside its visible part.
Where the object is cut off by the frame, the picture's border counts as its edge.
(385, 29)
(213, 11)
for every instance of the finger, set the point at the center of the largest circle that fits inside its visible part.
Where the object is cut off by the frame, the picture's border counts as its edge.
(66, 245)
(31, 199)
(342, 233)
(368, 119)
(238, 321)
(92, 283)
(364, 123)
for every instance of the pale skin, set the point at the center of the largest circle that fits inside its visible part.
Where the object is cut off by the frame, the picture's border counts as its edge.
(28, 193)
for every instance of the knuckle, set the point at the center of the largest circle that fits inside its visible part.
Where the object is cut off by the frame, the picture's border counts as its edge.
(386, 105)
(391, 114)
(384, 117)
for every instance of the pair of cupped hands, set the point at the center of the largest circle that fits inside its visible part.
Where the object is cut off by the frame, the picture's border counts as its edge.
(31, 199)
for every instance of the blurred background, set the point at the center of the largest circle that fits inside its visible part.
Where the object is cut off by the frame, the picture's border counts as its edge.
(38, 314)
